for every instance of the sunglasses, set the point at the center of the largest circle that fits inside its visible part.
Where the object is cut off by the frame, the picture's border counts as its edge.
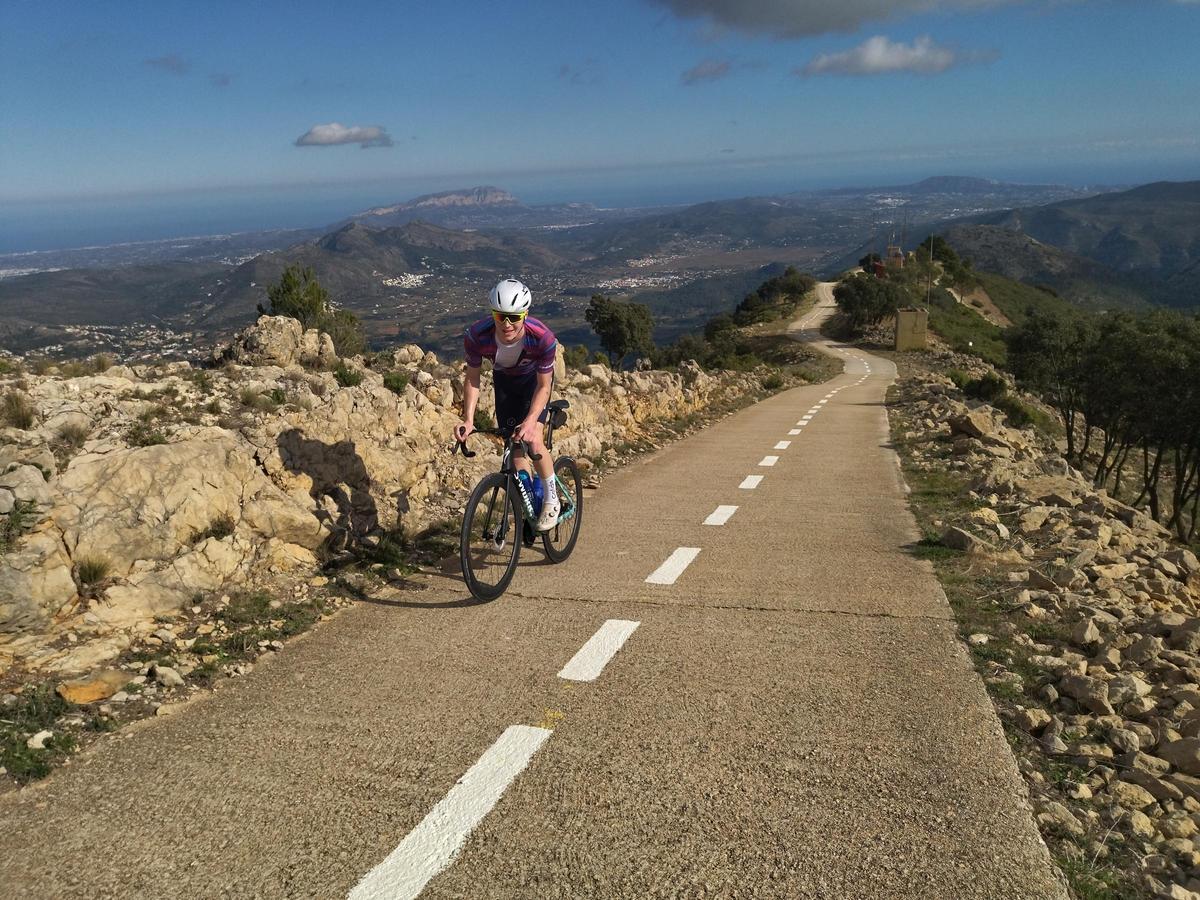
(512, 318)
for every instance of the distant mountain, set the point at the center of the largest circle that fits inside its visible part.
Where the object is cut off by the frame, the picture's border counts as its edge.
(479, 196)
(720, 225)
(1018, 257)
(356, 263)
(483, 207)
(1152, 231)
(968, 187)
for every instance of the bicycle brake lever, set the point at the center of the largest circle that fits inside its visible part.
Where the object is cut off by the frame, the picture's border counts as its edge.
(462, 445)
(529, 451)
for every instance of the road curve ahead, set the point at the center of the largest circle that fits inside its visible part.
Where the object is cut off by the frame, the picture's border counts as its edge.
(740, 685)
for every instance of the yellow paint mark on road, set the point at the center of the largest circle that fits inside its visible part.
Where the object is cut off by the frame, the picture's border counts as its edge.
(550, 719)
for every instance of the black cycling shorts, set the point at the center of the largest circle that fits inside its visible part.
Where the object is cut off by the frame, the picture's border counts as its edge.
(514, 393)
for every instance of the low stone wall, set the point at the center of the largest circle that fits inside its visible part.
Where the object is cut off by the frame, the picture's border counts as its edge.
(175, 480)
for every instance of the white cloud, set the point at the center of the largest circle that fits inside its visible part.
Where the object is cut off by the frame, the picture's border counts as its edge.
(879, 55)
(335, 133)
(708, 70)
(797, 18)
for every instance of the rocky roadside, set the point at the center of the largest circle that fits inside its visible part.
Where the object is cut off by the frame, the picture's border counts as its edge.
(1080, 613)
(177, 524)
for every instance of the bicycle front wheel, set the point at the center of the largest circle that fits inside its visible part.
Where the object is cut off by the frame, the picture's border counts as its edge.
(491, 538)
(559, 541)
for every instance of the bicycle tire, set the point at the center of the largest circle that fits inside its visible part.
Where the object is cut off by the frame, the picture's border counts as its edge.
(487, 503)
(560, 540)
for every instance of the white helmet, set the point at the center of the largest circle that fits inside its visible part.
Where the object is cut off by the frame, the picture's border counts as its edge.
(510, 296)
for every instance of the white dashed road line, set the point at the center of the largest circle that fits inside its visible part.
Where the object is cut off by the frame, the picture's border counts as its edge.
(794, 432)
(768, 460)
(589, 662)
(674, 566)
(782, 445)
(434, 843)
(720, 515)
(750, 482)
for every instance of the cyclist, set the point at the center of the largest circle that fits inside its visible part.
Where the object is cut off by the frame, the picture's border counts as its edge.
(522, 351)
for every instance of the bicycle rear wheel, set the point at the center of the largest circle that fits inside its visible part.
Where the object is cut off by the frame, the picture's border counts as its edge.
(559, 541)
(491, 538)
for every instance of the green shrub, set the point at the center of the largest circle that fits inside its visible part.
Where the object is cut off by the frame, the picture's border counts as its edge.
(9, 366)
(347, 377)
(101, 362)
(40, 365)
(959, 377)
(220, 527)
(396, 381)
(91, 570)
(990, 387)
(278, 397)
(140, 434)
(203, 381)
(213, 406)
(483, 420)
(71, 437)
(576, 357)
(15, 523)
(17, 410)
(1018, 413)
(157, 411)
(773, 382)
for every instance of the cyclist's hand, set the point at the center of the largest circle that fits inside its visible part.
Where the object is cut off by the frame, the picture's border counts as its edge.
(526, 431)
(461, 430)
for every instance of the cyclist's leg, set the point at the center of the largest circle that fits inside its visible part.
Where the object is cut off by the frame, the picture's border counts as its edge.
(512, 403)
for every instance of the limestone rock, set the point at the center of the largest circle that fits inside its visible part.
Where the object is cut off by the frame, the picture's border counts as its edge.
(1184, 754)
(958, 539)
(98, 686)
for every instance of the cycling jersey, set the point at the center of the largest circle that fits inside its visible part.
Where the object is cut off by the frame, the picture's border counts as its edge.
(537, 354)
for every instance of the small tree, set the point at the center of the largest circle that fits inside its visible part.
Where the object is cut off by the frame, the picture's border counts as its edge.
(622, 327)
(865, 301)
(300, 296)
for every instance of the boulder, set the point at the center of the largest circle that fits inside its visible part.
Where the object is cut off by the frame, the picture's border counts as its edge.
(958, 539)
(975, 423)
(97, 686)
(1184, 754)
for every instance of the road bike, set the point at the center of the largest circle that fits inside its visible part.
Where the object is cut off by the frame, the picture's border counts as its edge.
(500, 514)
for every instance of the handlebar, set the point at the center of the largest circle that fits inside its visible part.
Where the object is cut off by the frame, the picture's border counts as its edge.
(495, 432)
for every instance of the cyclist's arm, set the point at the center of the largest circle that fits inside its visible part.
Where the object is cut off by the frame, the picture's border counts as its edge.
(470, 400)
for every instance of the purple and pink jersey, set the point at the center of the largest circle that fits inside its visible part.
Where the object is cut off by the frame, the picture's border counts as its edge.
(537, 355)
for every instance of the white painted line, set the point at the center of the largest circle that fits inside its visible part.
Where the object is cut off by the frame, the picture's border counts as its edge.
(750, 482)
(720, 515)
(794, 432)
(589, 662)
(822, 402)
(814, 410)
(806, 418)
(435, 842)
(674, 566)
(782, 445)
(768, 460)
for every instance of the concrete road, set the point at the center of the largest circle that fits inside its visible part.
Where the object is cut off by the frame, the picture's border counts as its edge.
(783, 710)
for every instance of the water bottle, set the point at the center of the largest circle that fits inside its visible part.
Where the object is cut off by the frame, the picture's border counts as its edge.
(526, 485)
(538, 494)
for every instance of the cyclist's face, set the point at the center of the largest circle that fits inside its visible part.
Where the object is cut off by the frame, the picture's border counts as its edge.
(509, 329)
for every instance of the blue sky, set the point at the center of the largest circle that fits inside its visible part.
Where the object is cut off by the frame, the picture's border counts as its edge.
(105, 103)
